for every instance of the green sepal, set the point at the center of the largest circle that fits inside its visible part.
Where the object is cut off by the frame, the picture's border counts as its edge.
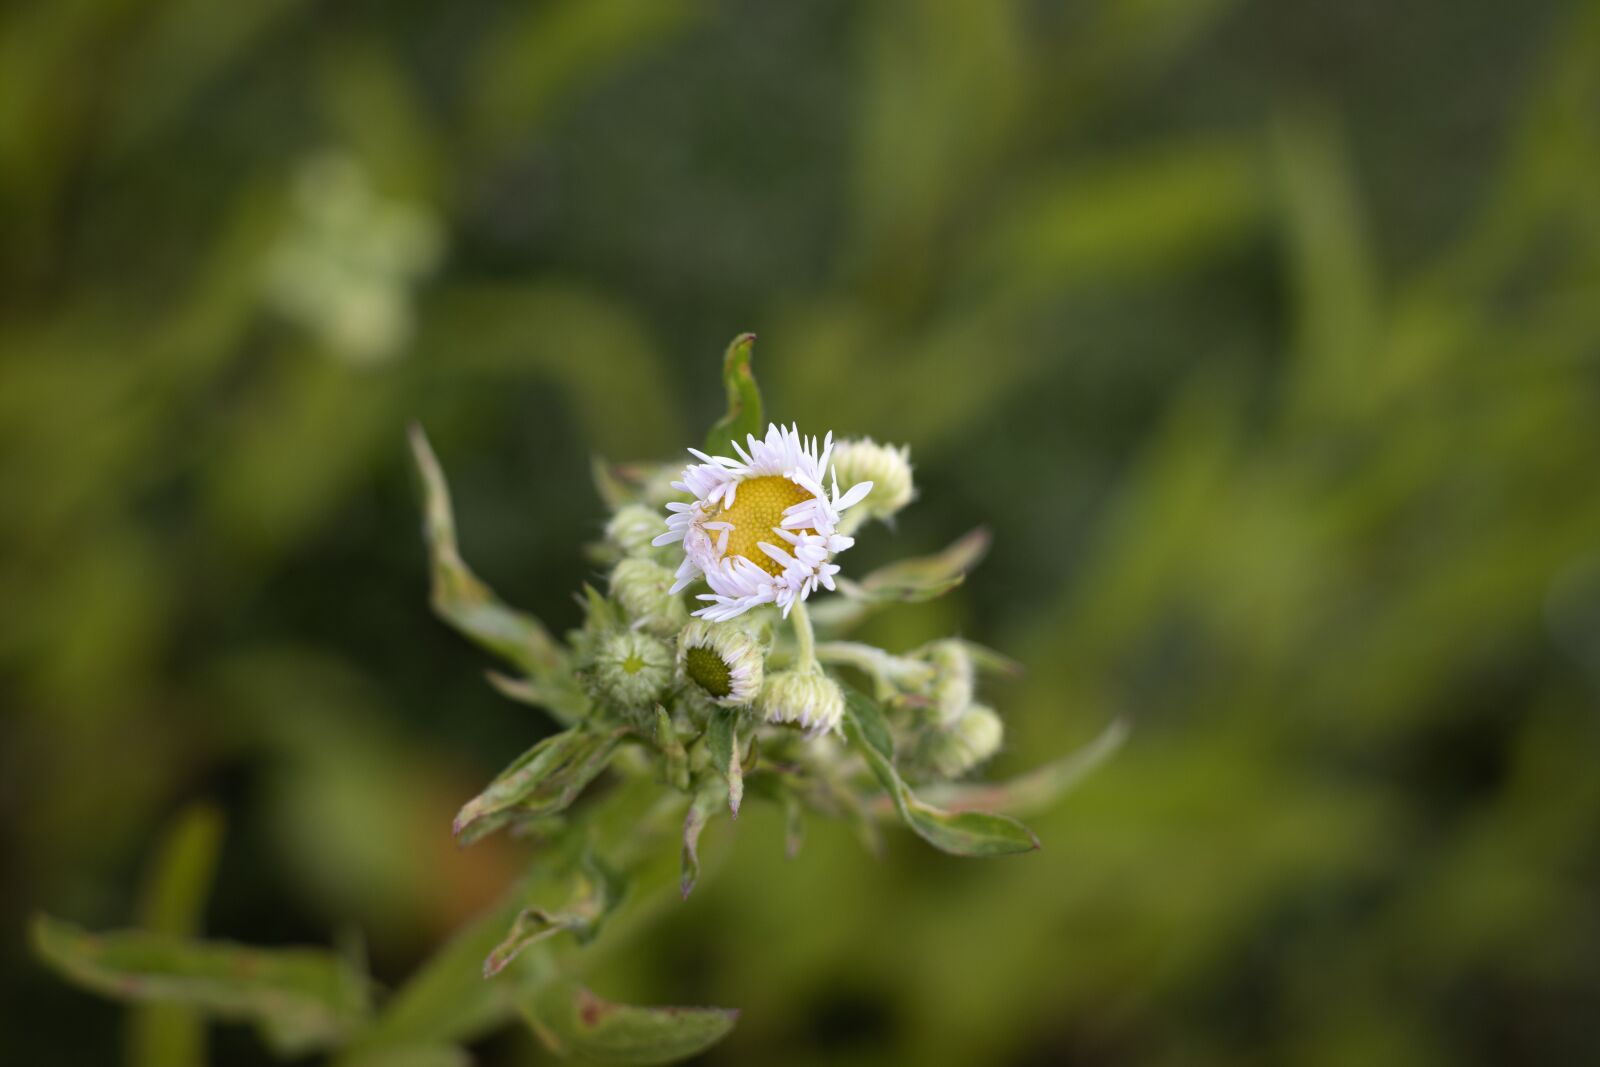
(544, 780)
(965, 833)
(301, 999)
(460, 598)
(744, 416)
(573, 1022)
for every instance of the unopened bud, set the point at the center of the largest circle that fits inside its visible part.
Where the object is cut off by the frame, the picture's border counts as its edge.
(807, 699)
(644, 589)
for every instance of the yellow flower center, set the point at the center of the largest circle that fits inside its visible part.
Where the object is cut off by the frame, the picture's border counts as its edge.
(756, 514)
(706, 669)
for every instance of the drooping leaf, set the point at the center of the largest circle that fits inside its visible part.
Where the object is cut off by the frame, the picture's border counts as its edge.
(744, 415)
(460, 597)
(173, 1035)
(302, 999)
(701, 808)
(966, 833)
(596, 892)
(723, 743)
(673, 753)
(571, 1021)
(544, 780)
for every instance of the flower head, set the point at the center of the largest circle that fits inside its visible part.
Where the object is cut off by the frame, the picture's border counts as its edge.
(631, 669)
(808, 699)
(763, 528)
(888, 469)
(722, 661)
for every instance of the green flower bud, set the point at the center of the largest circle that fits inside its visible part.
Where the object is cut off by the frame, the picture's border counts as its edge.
(644, 589)
(721, 661)
(806, 699)
(632, 527)
(975, 737)
(953, 680)
(886, 467)
(631, 669)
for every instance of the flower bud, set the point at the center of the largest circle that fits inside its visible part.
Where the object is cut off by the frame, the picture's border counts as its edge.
(975, 737)
(631, 669)
(632, 527)
(886, 467)
(644, 589)
(953, 680)
(806, 699)
(721, 661)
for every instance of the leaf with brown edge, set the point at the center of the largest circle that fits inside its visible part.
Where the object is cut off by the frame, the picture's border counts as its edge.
(573, 1022)
(544, 780)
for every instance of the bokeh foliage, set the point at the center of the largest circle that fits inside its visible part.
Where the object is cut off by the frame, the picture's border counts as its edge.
(1263, 338)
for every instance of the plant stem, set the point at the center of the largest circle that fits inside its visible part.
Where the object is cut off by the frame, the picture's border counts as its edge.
(805, 639)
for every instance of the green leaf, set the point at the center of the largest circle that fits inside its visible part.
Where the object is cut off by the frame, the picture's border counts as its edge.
(967, 833)
(173, 1035)
(672, 750)
(701, 808)
(559, 695)
(1041, 787)
(911, 581)
(411, 1056)
(744, 414)
(596, 892)
(301, 999)
(722, 741)
(544, 780)
(460, 598)
(571, 1021)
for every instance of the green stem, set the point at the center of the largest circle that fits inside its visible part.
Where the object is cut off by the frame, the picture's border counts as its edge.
(805, 639)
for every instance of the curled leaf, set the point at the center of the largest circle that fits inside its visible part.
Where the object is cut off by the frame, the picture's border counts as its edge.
(596, 891)
(744, 414)
(1041, 787)
(460, 598)
(301, 999)
(701, 808)
(544, 780)
(965, 833)
(573, 1022)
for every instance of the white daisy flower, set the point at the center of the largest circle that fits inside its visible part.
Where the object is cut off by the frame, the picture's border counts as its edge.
(762, 528)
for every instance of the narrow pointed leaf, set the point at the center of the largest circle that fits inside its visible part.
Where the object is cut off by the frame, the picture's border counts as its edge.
(301, 999)
(967, 833)
(1041, 787)
(744, 414)
(460, 598)
(723, 743)
(544, 780)
(573, 1022)
(923, 578)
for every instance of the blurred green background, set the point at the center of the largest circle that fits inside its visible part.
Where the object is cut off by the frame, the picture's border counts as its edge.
(1265, 337)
